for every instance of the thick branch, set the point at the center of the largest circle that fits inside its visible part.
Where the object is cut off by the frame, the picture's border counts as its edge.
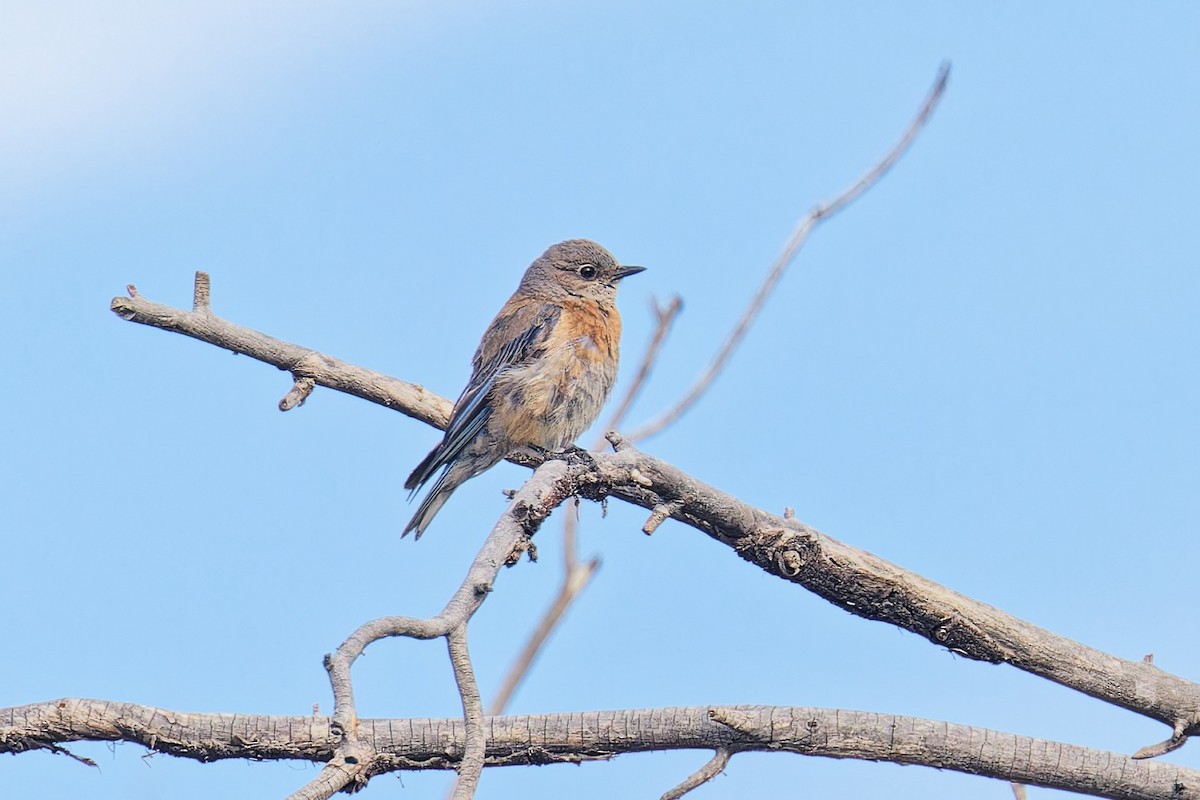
(870, 587)
(559, 738)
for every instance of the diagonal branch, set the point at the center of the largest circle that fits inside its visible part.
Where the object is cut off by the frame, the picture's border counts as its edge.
(870, 587)
(575, 579)
(711, 769)
(790, 249)
(664, 318)
(201, 323)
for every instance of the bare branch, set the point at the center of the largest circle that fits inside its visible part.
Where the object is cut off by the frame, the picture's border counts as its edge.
(794, 243)
(658, 515)
(714, 767)
(335, 776)
(870, 587)
(576, 579)
(470, 768)
(202, 294)
(296, 396)
(664, 318)
(408, 398)
(1177, 740)
(571, 738)
(62, 751)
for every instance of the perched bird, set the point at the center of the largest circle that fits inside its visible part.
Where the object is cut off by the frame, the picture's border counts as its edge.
(541, 374)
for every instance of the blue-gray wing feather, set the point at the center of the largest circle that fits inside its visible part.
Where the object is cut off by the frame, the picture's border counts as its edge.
(473, 409)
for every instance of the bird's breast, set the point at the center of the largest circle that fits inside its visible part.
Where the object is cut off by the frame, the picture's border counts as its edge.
(552, 399)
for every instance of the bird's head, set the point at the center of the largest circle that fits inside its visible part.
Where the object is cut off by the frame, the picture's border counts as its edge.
(577, 268)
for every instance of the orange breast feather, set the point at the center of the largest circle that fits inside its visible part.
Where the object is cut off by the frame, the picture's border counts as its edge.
(551, 400)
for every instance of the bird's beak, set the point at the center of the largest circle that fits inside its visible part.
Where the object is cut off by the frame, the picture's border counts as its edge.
(625, 272)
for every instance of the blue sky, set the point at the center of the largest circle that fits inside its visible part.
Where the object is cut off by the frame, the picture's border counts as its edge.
(985, 371)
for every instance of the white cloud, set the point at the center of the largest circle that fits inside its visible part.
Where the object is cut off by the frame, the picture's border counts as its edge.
(79, 80)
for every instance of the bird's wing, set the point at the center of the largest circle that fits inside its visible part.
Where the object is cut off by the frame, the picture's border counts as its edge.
(515, 336)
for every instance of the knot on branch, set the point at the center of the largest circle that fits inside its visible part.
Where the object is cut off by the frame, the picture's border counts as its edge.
(584, 477)
(959, 635)
(790, 562)
(785, 552)
(530, 515)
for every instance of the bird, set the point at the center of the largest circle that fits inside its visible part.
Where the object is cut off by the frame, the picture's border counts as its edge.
(542, 372)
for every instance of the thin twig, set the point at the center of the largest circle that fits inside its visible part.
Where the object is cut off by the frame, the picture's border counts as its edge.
(1177, 740)
(570, 530)
(62, 751)
(795, 241)
(714, 767)
(577, 578)
(665, 317)
(296, 396)
(202, 294)
(470, 768)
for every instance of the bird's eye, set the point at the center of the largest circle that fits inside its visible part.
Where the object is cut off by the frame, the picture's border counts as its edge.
(587, 272)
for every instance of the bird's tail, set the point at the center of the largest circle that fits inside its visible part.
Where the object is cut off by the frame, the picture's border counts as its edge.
(433, 502)
(424, 470)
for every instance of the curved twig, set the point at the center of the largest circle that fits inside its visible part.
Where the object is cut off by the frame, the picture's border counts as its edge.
(664, 319)
(794, 243)
(470, 768)
(577, 577)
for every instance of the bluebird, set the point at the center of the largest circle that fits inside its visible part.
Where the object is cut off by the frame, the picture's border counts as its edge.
(542, 372)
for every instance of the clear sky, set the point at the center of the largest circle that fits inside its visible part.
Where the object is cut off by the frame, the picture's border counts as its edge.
(985, 371)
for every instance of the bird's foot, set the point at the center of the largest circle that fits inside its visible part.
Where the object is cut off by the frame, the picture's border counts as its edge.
(578, 456)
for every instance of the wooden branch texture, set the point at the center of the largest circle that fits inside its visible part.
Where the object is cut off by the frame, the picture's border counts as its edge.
(587, 736)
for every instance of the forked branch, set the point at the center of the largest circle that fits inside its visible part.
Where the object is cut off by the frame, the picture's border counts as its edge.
(355, 760)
